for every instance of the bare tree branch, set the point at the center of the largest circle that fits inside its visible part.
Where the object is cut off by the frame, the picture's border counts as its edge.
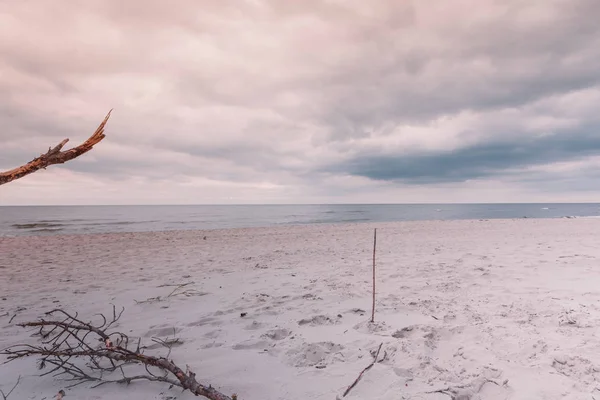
(55, 155)
(69, 339)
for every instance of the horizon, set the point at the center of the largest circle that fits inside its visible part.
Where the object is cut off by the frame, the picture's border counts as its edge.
(286, 204)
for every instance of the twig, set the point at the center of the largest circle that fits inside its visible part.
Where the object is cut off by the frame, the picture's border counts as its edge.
(168, 343)
(18, 310)
(175, 284)
(476, 386)
(148, 300)
(174, 292)
(5, 396)
(363, 371)
(374, 249)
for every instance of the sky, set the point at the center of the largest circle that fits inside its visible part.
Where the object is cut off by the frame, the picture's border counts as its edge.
(279, 101)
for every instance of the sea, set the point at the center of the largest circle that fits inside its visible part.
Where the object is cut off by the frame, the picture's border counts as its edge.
(60, 220)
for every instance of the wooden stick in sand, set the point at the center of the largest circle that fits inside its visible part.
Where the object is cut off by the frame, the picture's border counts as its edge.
(374, 249)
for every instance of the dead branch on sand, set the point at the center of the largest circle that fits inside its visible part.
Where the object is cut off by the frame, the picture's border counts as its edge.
(178, 291)
(467, 391)
(5, 395)
(55, 156)
(363, 371)
(87, 352)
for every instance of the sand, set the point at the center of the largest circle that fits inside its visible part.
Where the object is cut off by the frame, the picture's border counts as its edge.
(459, 303)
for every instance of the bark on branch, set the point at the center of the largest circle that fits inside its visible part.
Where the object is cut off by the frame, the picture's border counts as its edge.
(68, 338)
(55, 156)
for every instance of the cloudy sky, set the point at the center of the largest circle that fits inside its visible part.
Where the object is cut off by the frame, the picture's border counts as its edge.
(312, 101)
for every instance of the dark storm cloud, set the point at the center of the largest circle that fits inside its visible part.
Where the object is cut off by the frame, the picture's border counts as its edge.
(474, 162)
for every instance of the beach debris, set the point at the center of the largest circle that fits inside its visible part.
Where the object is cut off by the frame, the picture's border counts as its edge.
(60, 395)
(567, 318)
(243, 314)
(55, 155)
(368, 367)
(5, 395)
(168, 343)
(180, 290)
(17, 311)
(102, 363)
(468, 391)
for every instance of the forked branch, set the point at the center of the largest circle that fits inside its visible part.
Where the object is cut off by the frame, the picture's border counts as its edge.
(87, 352)
(55, 156)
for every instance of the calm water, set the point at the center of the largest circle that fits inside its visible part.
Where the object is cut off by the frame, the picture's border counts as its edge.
(52, 220)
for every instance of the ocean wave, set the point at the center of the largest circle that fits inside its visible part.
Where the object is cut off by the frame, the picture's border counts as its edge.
(117, 223)
(47, 230)
(36, 225)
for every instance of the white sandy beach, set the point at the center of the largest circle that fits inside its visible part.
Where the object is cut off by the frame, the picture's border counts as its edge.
(514, 301)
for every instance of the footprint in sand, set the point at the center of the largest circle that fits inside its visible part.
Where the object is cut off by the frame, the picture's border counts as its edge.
(318, 320)
(425, 335)
(205, 321)
(576, 367)
(161, 330)
(311, 354)
(252, 344)
(212, 334)
(404, 332)
(277, 334)
(254, 326)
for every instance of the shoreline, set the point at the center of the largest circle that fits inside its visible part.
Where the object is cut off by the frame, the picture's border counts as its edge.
(292, 225)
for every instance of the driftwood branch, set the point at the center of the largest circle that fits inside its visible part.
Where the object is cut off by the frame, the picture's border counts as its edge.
(363, 371)
(55, 156)
(85, 352)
